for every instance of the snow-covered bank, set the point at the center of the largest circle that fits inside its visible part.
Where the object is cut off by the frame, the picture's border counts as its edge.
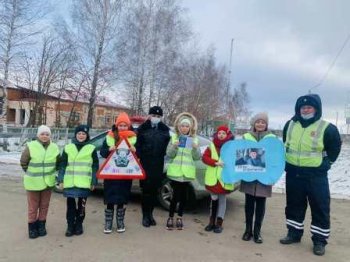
(339, 179)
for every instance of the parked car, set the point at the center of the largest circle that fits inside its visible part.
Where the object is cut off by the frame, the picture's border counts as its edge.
(197, 187)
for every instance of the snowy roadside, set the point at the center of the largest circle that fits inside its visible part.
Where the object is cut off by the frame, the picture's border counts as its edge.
(339, 179)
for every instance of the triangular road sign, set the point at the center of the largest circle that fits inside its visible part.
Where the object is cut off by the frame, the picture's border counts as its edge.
(121, 163)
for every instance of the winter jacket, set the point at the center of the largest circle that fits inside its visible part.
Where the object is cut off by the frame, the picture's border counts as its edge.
(255, 188)
(25, 157)
(331, 140)
(208, 160)
(116, 191)
(75, 192)
(177, 171)
(151, 148)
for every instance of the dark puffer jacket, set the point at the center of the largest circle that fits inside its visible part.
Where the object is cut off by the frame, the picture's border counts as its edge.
(151, 149)
(331, 139)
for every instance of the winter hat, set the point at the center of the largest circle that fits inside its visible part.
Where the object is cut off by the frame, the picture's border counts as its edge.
(155, 110)
(223, 128)
(185, 120)
(308, 101)
(43, 129)
(123, 118)
(82, 128)
(259, 116)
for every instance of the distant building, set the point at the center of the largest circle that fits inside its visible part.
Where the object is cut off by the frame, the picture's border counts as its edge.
(58, 107)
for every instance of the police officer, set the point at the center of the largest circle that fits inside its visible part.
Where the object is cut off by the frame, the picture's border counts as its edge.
(312, 146)
(152, 140)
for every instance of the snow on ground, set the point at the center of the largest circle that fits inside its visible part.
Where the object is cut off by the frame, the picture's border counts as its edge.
(339, 175)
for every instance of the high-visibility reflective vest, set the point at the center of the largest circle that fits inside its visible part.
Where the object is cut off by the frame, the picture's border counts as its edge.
(111, 141)
(182, 165)
(79, 169)
(41, 172)
(213, 174)
(249, 136)
(304, 146)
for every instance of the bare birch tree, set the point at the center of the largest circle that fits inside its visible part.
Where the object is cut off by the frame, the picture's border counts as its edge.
(96, 25)
(17, 20)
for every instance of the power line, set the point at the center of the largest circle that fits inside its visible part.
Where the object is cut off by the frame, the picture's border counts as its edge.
(332, 64)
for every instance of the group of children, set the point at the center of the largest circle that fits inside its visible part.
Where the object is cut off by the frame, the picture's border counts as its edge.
(78, 164)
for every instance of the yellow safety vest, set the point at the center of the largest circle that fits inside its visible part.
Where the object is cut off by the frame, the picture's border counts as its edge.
(249, 136)
(182, 165)
(304, 146)
(111, 141)
(213, 174)
(79, 169)
(41, 172)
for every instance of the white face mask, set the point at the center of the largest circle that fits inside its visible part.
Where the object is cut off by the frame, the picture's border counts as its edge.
(155, 120)
(307, 116)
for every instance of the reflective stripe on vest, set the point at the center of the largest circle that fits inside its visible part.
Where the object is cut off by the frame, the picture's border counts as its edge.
(79, 169)
(182, 165)
(111, 141)
(41, 172)
(304, 146)
(213, 174)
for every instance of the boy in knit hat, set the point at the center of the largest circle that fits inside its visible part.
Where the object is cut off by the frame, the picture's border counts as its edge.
(39, 160)
(77, 176)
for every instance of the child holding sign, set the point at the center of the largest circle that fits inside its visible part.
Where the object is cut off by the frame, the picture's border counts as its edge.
(255, 192)
(183, 151)
(213, 181)
(117, 192)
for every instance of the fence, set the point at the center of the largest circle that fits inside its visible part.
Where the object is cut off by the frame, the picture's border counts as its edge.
(21, 135)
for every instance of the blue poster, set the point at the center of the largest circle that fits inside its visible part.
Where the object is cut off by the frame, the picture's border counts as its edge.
(248, 160)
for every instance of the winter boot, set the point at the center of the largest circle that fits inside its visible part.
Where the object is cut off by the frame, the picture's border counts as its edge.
(70, 230)
(211, 225)
(170, 223)
(32, 230)
(214, 209)
(120, 220)
(319, 249)
(257, 237)
(218, 228)
(79, 230)
(179, 223)
(248, 234)
(290, 239)
(108, 221)
(41, 228)
(151, 218)
(146, 221)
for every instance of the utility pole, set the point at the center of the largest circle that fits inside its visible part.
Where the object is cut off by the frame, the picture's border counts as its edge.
(233, 115)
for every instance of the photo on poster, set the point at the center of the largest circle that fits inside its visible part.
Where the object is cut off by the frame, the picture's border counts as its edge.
(250, 160)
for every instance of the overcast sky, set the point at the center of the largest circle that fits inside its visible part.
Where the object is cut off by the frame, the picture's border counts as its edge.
(281, 49)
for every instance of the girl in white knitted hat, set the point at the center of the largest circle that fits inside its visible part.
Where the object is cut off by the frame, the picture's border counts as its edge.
(40, 162)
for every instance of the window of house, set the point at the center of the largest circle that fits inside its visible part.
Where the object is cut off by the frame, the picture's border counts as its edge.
(75, 116)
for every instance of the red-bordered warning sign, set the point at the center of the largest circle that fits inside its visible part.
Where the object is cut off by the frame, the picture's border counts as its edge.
(121, 163)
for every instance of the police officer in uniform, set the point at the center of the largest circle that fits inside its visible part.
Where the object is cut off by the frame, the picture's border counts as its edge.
(312, 146)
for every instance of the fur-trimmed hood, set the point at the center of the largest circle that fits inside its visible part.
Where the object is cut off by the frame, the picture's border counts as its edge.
(192, 118)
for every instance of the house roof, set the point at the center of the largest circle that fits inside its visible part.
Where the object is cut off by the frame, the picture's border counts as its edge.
(69, 95)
